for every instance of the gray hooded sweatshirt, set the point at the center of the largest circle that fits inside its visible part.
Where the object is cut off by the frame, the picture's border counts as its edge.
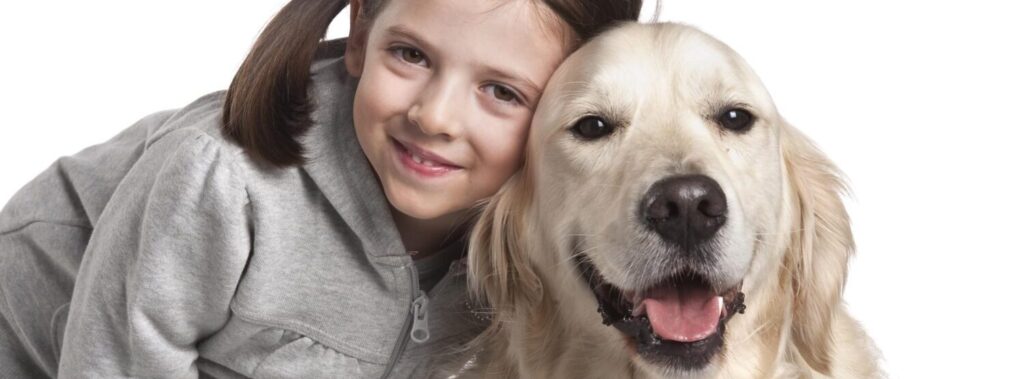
(168, 252)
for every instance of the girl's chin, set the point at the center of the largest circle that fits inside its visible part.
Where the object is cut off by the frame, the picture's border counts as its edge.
(422, 207)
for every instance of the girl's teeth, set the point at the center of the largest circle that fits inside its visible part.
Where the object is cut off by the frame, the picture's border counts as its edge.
(420, 160)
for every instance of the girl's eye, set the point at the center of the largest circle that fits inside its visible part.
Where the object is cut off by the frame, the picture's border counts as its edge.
(504, 94)
(410, 55)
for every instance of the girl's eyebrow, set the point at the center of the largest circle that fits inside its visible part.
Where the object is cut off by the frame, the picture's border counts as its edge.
(401, 31)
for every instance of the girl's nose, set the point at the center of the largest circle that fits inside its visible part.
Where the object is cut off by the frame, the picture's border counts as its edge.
(436, 111)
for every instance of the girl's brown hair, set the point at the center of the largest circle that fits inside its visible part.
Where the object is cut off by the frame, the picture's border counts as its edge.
(268, 107)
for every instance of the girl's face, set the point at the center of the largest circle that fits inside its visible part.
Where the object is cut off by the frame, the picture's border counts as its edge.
(446, 92)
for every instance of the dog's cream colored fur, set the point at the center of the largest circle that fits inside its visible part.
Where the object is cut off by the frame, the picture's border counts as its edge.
(787, 238)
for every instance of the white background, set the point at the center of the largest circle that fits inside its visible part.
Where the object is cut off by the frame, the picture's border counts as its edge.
(919, 103)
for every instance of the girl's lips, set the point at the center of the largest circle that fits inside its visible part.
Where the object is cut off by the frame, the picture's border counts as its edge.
(421, 161)
(425, 154)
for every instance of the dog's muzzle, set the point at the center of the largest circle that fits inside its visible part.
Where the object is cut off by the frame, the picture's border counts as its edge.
(690, 326)
(679, 319)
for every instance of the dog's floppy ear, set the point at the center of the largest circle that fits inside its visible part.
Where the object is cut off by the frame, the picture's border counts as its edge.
(820, 246)
(498, 268)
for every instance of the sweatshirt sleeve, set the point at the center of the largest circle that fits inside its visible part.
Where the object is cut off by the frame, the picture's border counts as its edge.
(163, 263)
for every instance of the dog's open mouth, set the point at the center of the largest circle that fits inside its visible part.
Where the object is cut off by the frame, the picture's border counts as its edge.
(678, 322)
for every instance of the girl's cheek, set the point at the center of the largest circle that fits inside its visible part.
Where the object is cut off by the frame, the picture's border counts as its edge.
(505, 144)
(387, 94)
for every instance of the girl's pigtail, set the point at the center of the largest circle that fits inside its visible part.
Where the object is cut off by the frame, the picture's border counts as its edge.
(267, 107)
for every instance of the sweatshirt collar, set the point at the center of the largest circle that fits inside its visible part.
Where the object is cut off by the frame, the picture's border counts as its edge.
(337, 165)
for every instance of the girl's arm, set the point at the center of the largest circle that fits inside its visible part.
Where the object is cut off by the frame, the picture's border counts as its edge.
(163, 263)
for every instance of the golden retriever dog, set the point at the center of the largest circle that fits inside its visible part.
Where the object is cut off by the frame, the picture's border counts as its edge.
(667, 223)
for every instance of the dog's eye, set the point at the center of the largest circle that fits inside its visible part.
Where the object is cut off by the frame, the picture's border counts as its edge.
(591, 127)
(736, 119)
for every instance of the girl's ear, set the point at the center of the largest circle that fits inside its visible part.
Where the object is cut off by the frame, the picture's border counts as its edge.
(820, 247)
(358, 31)
(499, 270)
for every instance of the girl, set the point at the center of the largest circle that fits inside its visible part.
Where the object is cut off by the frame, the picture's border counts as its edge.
(303, 223)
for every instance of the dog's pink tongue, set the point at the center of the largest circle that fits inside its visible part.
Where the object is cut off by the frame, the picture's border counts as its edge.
(684, 314)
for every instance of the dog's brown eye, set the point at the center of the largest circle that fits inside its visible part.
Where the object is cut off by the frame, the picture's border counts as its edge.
(736, 119)
(591, 127)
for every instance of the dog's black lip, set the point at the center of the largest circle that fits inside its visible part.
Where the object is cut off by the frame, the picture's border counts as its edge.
(617, 311)
(684, 355)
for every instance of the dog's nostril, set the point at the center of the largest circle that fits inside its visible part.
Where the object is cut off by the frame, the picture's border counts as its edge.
(673, 210)
(686, 210)
(658, 209)
(712, 208)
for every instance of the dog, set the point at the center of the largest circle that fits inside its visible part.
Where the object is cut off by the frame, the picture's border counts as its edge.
(667, 223)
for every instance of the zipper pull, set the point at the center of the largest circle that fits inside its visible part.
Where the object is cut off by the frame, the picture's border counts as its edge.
(420, 333)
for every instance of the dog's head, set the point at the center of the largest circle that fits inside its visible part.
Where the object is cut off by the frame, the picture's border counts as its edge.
(661, 185)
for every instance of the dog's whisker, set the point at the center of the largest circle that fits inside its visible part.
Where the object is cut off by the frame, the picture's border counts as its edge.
(580, 254)
(794, 231)
(754, 332)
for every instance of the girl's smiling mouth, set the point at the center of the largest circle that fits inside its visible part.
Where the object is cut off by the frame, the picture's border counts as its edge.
(421, 161)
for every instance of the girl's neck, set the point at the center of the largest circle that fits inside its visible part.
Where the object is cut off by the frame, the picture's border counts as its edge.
(423, 238)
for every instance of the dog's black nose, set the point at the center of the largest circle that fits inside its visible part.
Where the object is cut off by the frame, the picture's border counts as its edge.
(687, 210)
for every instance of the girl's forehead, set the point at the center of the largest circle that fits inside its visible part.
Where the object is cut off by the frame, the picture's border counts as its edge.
(470, 15)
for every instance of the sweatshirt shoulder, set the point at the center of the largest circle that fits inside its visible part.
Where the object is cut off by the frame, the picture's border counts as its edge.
(201, 117)
(204, 116)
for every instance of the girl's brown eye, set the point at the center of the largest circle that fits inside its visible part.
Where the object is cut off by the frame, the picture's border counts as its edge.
(504, 94)
(412, 56)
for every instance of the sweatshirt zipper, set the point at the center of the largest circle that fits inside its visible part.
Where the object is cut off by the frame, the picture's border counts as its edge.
(420, 333)
(415, 322)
